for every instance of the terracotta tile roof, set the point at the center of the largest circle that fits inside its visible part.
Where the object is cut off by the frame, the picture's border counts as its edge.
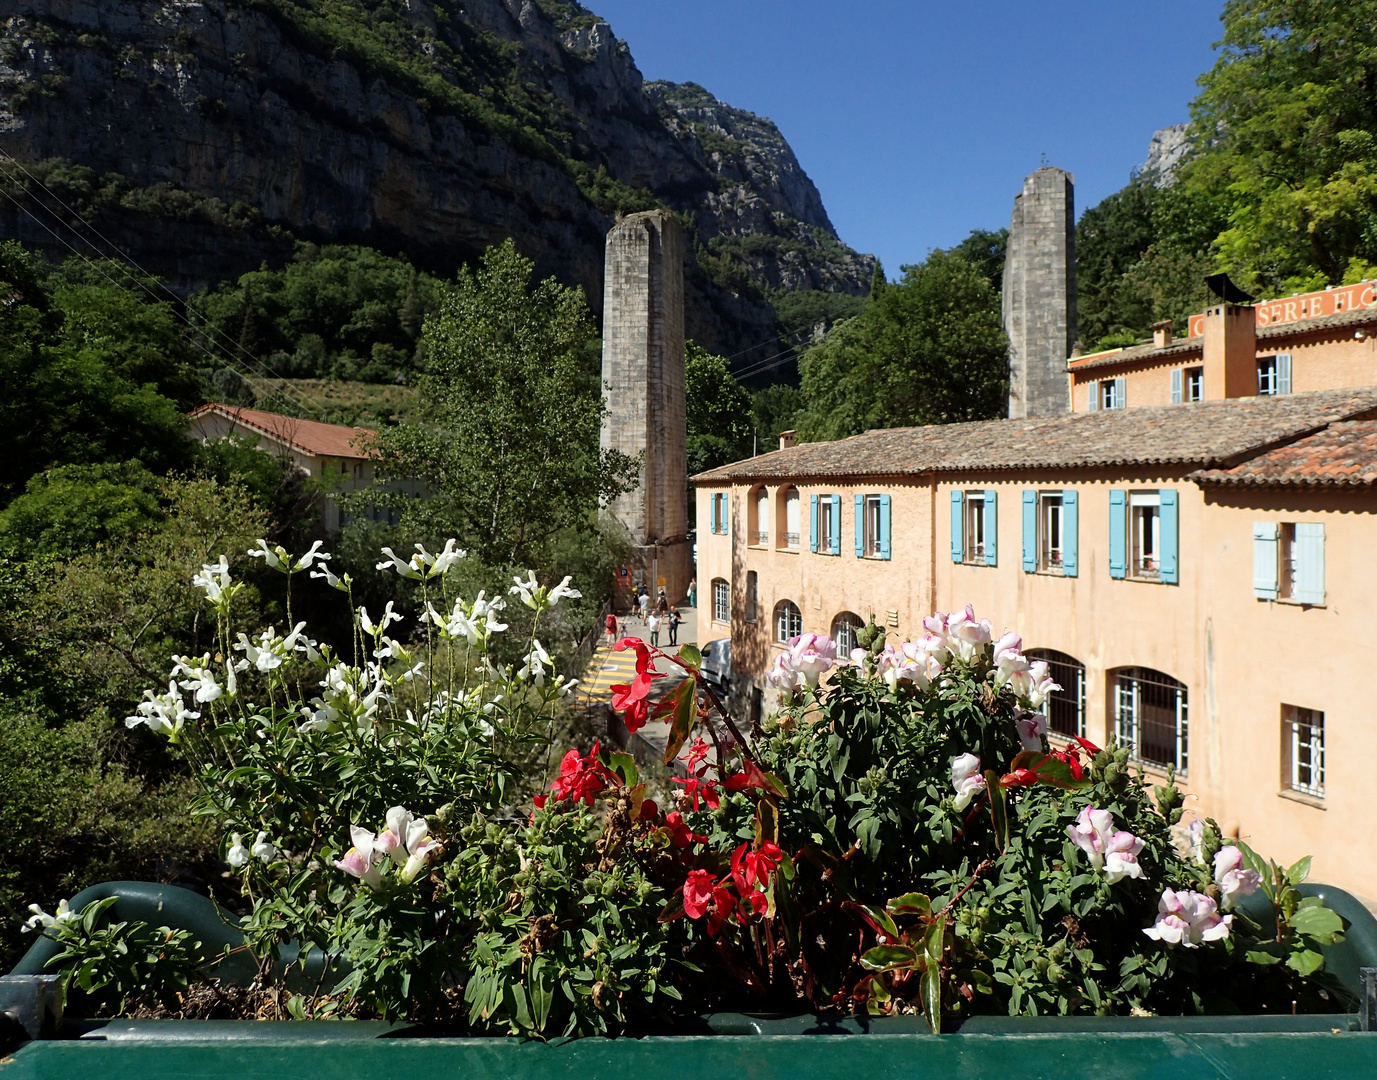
(1209, 434)
(1342, 455)
(1357, 317)
(309, 436)
(1135, 354)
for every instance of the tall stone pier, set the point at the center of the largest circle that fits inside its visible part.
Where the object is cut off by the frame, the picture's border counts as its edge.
(643, 383)
(1040, 294)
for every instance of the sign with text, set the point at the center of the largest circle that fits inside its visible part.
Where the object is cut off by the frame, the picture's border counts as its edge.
(1313, 305)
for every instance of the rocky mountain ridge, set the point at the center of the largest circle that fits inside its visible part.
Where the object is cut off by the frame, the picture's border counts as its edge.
(226, 128)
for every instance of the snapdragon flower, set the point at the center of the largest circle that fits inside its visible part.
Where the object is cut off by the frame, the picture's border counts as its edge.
(537, 597)
(910, 662)
(811, 655)
(220, 589)
(311, 556)
(475, 623)
(1233, 880)
(966, 780)
(536, 663)
(1116, 853)
(342, 583)
(352, 696)
(785, 678)
(1188, 918)
(376, 630)
(200, 678)
(275, 556)
(271, 651)
(1033, 686)
(1031, 727)
(240, 853)
(406, 842)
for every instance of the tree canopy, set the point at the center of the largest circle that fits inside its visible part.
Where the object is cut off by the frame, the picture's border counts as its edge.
(717, 409)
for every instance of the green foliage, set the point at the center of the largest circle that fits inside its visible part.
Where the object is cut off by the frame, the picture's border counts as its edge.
(343, 312)
(71, 508)
(775, 409)
(985, 251)
(509, 445)
(929, 349)
(122, 964)
(801, 313)
(91, 375)
(717, 409)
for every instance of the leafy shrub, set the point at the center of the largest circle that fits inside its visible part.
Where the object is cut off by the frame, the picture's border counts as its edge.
(900, 839)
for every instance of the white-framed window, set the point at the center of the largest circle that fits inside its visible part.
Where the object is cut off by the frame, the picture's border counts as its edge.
(788, 621)
(845, 627)
(1051, 531)
(1274, 374)
(1112, 394)
(1145, 534)
(1288, 561)
(975, 528)
(721, 600)
(1303, 740)
(759, 533)
(787, 533)
(874, 527)
(826, 525)
(1195, 384)
(752, 596)
(1064, 708)
(718, 513)
(1150, 716)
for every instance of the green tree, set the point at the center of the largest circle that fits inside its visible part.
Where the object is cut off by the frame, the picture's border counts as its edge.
(927, 350)
(66, 510)
(717, 409)
(1289, 118)
(775, 409)
(508, 447)
(985, 251)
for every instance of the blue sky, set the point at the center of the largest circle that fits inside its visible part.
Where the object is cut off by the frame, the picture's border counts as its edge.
(917, 120)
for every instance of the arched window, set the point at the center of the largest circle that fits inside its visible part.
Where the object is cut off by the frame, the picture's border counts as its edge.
(1065, 708)
(721, 600)
(1150, 716)
(787, 518)
(758, 511)
(845, 627)
(788, 620)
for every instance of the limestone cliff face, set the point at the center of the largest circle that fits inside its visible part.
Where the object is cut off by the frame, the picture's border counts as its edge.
(434, 128)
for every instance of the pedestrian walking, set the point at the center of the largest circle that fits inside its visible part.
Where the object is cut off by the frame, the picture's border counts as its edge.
(611, 624)
(645, 607)
(693, 593)
(662, 604)
(674, 620)
(653, 623)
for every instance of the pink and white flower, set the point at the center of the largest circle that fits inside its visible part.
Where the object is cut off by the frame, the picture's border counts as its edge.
(1233, 881)
(1032, 726)
(359, 860)
(811, 655)
(784, 678)
(1116, 853)
(967, 637)
(1188, 918)
(967, 780)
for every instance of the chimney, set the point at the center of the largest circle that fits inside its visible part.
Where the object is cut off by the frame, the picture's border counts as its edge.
(1161, 334)
(1230, 352)
(787, 440)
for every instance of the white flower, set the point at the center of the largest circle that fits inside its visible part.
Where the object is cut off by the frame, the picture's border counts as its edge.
(1008, 658)
(163, 714)
(785, 678)
(342, 584)
(351, 695)
(214, 578)
(527, 589)
(199, 677)
(446, 559)
(404, 569)
(562, 590)
(966, 637)
(275, 556)
(358, 861)
(238, 855)
(40, 919)
(1033, 685)
(1121, 857)
(966, 780)
(376, 629)
(304, 563)
(536, 661)
(1233, 881)
(263, 849)
(1188, 918)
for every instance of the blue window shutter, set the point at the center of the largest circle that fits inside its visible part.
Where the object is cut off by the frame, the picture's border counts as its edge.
(712, 512)
(1265, 560)
(1120, 401)
(1170, 536)
(991, 527)
(884, 526)
(1030, 531)
(836, 525)
(1284, 373)
(1093, 387)
(860, 526)
(958, 526)
(812, 522)
(1176, 396)
(1309, 562)
(1070, 532)
(1118, 533)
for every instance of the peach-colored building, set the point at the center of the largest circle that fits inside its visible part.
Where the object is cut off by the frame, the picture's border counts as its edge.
(1319, 341)
(335, 456)
(1199, 576)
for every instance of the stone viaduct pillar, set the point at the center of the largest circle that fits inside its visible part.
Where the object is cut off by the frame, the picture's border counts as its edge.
(1039, 303)
(643, 384)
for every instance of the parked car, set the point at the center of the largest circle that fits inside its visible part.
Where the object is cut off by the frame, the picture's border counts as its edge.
(717, 663)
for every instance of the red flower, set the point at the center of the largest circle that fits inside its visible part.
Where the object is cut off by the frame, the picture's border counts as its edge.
(749, 777)
(680, 834)
(539, 801)
(695, 786)
(649, 810)
(760, 903)
(643, 657)
(699, 889)
(580, 777)
(1019, 778)
(754, 867)
(696, 753)
(633, 701)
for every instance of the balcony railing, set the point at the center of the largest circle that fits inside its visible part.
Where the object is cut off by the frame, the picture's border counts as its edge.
(791, 539)
(762, 538)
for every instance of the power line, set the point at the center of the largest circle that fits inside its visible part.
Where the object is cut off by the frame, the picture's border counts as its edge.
(261, 369)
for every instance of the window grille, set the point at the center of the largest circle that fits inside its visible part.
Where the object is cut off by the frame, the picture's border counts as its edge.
(721, 600)
(845, 627)
(1150, 717)
(788, 621)
(1306, 731)
(1064, 708)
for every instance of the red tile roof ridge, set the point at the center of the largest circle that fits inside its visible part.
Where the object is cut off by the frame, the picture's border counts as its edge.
(1343, 454)
(309, 436)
